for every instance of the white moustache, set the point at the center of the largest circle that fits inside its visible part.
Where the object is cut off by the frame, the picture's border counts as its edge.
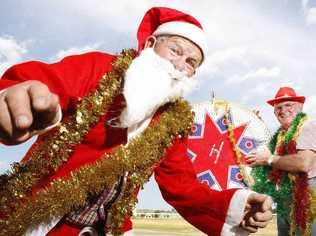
(150, 82)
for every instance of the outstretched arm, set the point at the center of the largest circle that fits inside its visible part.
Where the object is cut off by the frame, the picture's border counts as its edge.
(32, 93)
(27, 107)
(213, 212)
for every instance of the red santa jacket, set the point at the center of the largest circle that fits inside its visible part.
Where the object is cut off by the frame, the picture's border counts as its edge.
(75, 77)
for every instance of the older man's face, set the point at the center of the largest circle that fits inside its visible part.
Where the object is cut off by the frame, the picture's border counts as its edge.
(286, 112)
(181, 52)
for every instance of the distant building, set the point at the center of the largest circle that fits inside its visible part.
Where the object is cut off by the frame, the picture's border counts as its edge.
(155, 214)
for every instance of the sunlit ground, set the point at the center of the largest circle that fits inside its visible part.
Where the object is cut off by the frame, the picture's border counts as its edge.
(174, 227)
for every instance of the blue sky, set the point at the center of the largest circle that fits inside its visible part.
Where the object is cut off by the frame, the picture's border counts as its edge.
(255, 46)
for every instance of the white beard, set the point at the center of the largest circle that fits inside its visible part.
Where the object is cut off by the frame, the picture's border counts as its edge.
(151, 81)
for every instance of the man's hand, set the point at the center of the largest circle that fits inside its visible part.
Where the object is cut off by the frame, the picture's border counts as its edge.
(24, 108)
(257, 113)
(260, 158)
(258, 212)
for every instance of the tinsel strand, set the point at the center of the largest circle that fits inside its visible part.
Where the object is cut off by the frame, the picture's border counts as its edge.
(246, 178)
(291, 187)
(138, 157)
(127, 202)
(59, 144)
(263, 174)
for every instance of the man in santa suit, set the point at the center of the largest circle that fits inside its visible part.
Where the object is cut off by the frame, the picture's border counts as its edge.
(36, 96)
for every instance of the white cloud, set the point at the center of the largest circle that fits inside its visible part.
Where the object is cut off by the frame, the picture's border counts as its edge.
(236, 53)
(257, 90)
(11, 52)
(310, 106)
(220, 58)
(305, 4)
(261, 73)
(119, 16)
(309, 12)
(74, 50)
(311, 16)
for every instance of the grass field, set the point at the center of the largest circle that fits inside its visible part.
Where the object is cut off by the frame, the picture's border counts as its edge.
(179, 227)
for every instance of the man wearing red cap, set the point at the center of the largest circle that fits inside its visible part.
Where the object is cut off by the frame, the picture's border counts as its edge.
(289, 166)
(80, 177)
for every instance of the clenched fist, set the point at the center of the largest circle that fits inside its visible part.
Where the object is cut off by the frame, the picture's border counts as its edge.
(26, 108)
(258, 212)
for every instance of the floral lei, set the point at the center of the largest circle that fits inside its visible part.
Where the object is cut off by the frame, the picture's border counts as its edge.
(285, 188)
(21, 210)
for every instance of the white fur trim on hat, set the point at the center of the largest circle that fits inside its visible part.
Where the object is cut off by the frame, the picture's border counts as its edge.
(186, 30)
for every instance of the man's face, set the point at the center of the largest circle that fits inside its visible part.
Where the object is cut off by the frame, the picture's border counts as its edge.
(181, 52)
(286, 112)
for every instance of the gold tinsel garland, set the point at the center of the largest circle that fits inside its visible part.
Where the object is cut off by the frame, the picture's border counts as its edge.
(58, 145)
(65, 195)
(249, 181)
(308, 211)
(138, 158)
(313, 202)
(154, 144)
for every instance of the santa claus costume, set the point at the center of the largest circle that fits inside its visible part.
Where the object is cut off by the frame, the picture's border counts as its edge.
(73, 78)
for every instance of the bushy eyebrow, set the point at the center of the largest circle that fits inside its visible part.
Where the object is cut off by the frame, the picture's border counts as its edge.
(176, 41)
(285, 104)
(195, 61)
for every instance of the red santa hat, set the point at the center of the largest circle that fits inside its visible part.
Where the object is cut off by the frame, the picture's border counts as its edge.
(286, 94)
(167, 21)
